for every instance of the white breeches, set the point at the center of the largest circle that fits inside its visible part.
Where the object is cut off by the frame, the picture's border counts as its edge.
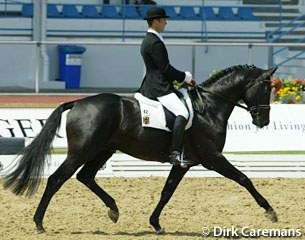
(174, 105)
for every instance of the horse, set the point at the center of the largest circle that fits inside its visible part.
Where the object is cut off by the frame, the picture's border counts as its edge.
(99, 125)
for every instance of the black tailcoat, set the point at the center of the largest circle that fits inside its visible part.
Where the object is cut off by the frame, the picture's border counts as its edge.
(160, 74)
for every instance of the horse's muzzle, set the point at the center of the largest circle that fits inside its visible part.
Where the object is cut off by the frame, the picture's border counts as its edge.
(261, 120)
(261, 123)
(260, 117)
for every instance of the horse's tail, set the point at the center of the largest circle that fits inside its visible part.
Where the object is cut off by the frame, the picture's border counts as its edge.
(26, 176)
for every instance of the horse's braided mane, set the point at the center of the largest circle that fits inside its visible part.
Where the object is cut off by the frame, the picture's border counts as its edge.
(224, 72)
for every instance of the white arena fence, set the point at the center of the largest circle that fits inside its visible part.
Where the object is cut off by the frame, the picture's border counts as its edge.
(286, 132)
(123, 165)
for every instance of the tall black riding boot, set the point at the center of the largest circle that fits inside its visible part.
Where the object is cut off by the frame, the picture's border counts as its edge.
(177, 139)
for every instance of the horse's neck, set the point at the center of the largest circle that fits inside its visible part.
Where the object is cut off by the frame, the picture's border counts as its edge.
(228, 88)
(224, 93)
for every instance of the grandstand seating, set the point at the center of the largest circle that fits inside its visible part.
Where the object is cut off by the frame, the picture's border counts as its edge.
(27, 10)
(226, 13)
(137, 12)
(70, 11)
(245, 13)
(109, 11)
(219, 21)
(207, 13)
(171, 12)
(52, 11)
(143, 9)
(188, 13)
(90, 11)
(130, 12)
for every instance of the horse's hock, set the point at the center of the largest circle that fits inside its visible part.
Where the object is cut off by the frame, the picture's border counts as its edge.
(11, 146)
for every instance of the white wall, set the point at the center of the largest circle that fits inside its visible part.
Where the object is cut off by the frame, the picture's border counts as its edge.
(120, 66)
(17, 65)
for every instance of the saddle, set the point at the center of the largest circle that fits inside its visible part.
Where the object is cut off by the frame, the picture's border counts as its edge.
(154, 115)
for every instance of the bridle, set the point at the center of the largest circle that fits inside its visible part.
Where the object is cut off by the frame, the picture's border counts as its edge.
(254, 110)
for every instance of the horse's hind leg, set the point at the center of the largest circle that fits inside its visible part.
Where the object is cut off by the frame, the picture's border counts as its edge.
(221, 165)
(55, 181)
(87, 174)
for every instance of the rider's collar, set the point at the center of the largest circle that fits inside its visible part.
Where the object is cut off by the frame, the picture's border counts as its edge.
(156, 33)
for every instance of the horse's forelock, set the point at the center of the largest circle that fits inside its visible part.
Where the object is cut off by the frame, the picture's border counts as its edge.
(225, 72)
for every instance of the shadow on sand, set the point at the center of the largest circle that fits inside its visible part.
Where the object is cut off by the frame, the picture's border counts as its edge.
(142, 234)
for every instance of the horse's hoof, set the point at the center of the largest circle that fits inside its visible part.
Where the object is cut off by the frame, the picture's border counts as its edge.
(39, 227)
(40, 230)
(113, 215)
(271, 214)
(160, 231)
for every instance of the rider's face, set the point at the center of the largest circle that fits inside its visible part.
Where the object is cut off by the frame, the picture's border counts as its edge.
(160, 24)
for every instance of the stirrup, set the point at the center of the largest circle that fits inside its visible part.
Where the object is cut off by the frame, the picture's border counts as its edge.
(184, 163)
(174, 158)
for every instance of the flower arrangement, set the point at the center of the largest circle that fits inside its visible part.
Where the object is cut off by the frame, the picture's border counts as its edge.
(288, 91)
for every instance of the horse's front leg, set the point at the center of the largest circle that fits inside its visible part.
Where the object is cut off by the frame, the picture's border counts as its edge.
(173, 180)
(221, 165)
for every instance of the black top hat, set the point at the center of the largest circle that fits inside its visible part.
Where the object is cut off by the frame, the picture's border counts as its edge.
(155, 12)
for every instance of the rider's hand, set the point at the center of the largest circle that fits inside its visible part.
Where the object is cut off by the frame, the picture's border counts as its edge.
(193, 82)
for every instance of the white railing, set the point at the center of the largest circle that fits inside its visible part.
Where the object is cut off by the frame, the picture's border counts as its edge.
(253, 165)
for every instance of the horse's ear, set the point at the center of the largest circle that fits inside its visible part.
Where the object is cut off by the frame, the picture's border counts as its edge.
(268, 73)
(271, 71)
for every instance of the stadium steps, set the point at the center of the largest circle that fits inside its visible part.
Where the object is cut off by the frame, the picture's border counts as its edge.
(291, 10)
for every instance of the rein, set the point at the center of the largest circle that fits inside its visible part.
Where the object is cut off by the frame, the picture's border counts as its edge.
(220, 96)
(253, 110)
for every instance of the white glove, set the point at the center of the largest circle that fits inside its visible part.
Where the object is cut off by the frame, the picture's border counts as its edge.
(188, 77)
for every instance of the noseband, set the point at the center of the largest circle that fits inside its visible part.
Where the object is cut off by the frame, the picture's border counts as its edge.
(254, 110)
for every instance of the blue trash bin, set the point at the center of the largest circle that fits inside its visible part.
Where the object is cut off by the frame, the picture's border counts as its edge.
(70, 62)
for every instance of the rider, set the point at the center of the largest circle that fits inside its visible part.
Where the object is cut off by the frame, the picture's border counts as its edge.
(160, 74)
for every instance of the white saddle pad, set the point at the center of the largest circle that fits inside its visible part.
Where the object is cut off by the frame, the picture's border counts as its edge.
(152, 112)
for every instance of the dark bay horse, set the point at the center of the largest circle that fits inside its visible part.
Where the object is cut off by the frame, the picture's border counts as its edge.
(99, 125)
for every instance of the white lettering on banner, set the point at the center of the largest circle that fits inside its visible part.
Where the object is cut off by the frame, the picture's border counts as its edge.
(286, 130)
(275, 126)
